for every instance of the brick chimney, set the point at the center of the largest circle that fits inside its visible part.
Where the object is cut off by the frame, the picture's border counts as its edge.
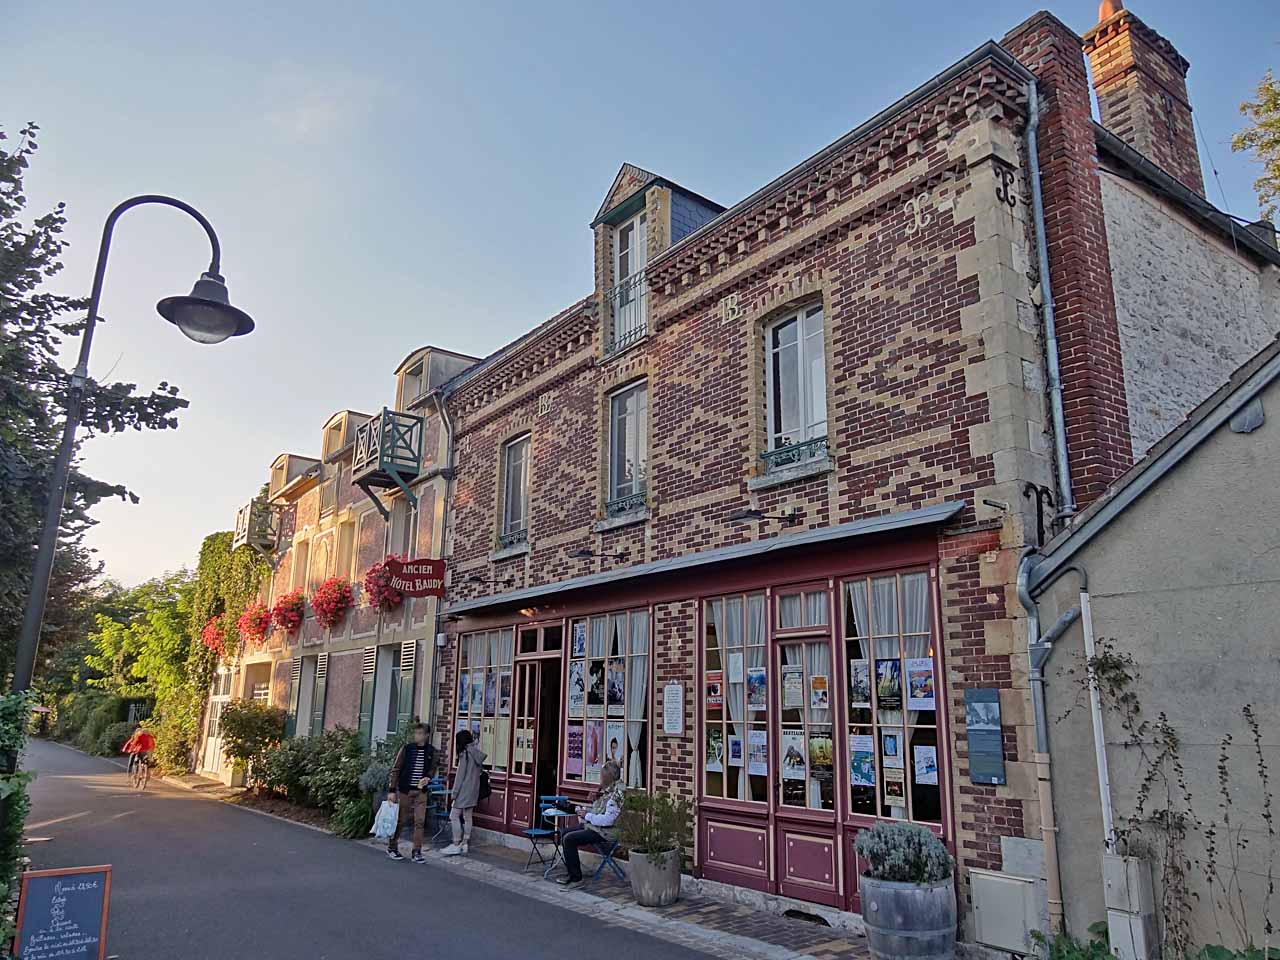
(1141, 83)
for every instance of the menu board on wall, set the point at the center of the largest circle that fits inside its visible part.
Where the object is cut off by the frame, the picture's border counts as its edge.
(986, 744)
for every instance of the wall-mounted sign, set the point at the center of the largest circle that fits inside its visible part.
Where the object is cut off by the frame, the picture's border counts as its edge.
(986, 743)
(63, 913)
(673, 710)
(417, 578)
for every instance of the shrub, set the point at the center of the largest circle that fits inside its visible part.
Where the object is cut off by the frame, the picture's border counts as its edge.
(108, 710)
(375, 776)
(112, 740)
(353, 818)
(249, 729)
(337, 760)
(656, 824)
(1063, 946)
(72, 712)
(175, 726)
(14, 711)
(903, 853)
(285, 767)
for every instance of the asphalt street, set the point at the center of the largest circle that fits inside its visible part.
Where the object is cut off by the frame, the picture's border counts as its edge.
(194, 878)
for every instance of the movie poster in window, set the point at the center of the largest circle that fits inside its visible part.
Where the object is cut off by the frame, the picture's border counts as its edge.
(486, 738)
(617, 688)
(891, 749)
(793, 687)
(577, 688)
(821, 752)
(791, 746)
(616, 742)
(579, 645)
(573, 750)
(758, 753)
(920, 692)
(477, 692)
(895, 787)
(715, 750)
(594, 748)
(757, 692)
(501, 740)
(504, 694)
(475, 730)
(595, 689)
(889, 684)
(862, 760)
(735, 668)
(860, 684)
(490, 693)
(715, 689)
(819, 696)
(464, 691)
(735, 751)
(926, 764)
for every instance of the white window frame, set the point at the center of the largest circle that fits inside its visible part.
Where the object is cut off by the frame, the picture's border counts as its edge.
(637, 250)
(630, 305)
(516, 523)
(636, 441)
(810, 325)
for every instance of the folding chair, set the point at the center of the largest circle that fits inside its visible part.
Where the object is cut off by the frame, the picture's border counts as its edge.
(437, 807)
(540, 835)
(606, 851)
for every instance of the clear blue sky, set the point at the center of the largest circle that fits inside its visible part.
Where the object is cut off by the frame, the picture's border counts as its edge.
(386, 175)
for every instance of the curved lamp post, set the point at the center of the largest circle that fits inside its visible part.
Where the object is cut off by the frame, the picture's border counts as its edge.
(205, 315)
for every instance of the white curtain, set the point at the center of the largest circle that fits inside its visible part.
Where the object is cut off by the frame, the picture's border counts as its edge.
(815, 609)
(637, 697)
(735, 698)
(599, 628)
(915, 620)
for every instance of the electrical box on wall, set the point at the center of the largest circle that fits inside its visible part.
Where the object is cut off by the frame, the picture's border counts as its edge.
(1128, 892)
(1005, 909)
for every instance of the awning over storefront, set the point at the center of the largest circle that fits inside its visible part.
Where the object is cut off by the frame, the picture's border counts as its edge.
(886, 523)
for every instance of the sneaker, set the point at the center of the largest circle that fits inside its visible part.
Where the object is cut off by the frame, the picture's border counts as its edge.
(418, 857)
(452, 850)
(569, 881)
(394, 855)
(466, 847)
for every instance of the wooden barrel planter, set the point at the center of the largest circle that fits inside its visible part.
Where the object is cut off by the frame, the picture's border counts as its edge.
(909, 921)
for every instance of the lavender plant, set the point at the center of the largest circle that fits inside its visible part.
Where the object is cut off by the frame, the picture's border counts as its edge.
(904, 853)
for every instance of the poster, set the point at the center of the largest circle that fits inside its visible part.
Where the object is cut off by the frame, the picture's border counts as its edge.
(926, 764)
(862, 760)
(617, 687)
(520, 753)
(819, 698)
(504, 694)
(735, 751)
(573, 750)
(758, 753)
(891, 749)
(579, 646)
(791, 746)
(986, 744)
(477, 692)
(756, 689)
(595, 689)
(895, 787)
(464, 691)
(490, 693)
(889, 684)
(462, 723)
(715, 750)
(577, 688)
(673, 710)
(821, 753)
(616, 742)
(501, 740)
(792, 687)
(486, 738)
(594, 749)
(920, 695)
(715, 690)
(860, 684)
(735, 668)
(475, 730)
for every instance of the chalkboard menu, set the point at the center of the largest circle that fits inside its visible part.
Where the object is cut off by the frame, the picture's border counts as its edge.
(62, 914)
(986, 739)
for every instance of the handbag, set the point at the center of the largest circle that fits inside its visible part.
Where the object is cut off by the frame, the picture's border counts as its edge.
(485, 788)
(386, 821)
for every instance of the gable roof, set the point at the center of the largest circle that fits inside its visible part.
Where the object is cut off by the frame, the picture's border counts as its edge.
(630, 178)
(1254, 376)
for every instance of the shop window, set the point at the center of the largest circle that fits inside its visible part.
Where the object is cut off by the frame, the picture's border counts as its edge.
(802, 609)
(796, 376)
(892, 724)
(735, 699)
(484, 692)
(608, 697)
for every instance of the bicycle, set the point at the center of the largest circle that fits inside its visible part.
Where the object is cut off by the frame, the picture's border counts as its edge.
(140, 776)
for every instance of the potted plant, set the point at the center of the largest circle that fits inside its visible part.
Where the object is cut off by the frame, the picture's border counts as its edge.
(378, 588)
(289, 610)
(331, 601)
(908, 896)
(254, 623)
(655, 830)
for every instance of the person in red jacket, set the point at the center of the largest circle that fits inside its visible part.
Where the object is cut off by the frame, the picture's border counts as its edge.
(138, 746)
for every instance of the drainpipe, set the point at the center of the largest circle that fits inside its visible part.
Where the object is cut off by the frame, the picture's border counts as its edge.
(1066, 501)
(1099, 740)
(1038, 651)
(442, 402)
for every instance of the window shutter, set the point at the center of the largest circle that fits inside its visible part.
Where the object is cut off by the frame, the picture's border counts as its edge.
(317, 698)
(367, 676)
(408, 660)
(295, 678)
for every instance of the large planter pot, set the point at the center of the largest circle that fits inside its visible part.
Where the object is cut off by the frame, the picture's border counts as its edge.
(909, 921)
(655, 879)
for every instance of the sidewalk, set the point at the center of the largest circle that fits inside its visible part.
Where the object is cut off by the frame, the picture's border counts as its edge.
(711, 926)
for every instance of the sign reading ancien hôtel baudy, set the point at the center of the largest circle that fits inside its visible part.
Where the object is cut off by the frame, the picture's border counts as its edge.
(417, 578)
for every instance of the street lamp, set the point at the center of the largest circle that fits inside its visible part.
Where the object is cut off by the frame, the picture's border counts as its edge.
(746, 515)
(205, 316)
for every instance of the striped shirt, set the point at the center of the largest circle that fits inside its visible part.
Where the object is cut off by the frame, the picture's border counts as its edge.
(419, 767)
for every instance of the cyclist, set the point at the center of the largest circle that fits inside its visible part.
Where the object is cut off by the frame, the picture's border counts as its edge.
(139, 748)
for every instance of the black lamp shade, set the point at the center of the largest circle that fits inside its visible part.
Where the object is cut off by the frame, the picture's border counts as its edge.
(206, 315)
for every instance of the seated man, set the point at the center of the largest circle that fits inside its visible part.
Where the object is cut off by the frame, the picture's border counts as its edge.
(599, 821)
(139, 747)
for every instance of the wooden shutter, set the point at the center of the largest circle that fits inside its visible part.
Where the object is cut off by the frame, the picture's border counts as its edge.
(368, 671)
(317, 698)
(295, 681)
(404, 702)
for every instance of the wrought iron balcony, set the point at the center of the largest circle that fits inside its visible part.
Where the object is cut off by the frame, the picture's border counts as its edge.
(513, 538)
(794, 454)
(628, 308)
(257, 527)
(623, 505)
(388, 454)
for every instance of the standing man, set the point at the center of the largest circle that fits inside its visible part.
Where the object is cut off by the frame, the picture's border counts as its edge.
(407, 786)
(599, 822)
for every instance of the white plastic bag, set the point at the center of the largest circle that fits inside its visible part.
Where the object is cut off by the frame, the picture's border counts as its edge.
(385, 823)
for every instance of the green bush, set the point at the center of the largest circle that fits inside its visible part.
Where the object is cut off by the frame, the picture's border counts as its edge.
(108, 710)
(72, 711)
(14, 711)
(337, 760)
(176, 727)
(656, 824)
(112, 740)
(285, 768)
(903, 853)
(1063, 946)
(250, 728)
(353, 818)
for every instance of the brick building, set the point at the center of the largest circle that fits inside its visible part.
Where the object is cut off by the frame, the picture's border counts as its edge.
(748, 516)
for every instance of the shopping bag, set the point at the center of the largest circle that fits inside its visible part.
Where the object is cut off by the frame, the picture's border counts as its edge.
(385, 823)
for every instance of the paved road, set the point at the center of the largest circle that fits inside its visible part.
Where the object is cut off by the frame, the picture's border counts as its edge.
(197, 879)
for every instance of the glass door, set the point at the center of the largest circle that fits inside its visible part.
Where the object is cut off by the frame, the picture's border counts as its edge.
(806, 750)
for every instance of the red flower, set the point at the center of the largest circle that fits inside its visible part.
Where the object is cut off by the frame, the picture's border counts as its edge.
(377, 586)
(331, 601)
(214, 637)
(254, 623)
(289, 610)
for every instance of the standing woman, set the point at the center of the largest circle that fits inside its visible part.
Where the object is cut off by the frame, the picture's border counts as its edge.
(466, 790)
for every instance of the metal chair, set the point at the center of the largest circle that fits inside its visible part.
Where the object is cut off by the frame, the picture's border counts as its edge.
(606, 851)
(437, 806)
(538, 836)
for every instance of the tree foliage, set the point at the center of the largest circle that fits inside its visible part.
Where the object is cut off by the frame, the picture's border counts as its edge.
(144, 653)
(1262, 138)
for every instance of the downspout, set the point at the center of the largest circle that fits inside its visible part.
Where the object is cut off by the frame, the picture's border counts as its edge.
(1095, 710)
(1066, 500)
(442, 401)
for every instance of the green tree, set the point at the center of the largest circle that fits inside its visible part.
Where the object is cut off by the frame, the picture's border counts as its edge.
(1262, 137)
(145, 653)
(33, 389)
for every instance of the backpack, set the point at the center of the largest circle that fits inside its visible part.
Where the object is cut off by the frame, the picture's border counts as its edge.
(485, 788)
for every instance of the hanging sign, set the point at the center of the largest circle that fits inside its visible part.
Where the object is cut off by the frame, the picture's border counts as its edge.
(416, 578)
(63, 913)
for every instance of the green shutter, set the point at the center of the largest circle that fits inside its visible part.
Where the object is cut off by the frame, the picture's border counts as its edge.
(367, 677)
(295, 677)
(404, 702)
(317, 698)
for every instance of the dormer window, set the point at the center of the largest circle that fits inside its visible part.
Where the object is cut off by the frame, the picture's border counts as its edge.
(412, 384)
(333, 438)
(628, 305)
